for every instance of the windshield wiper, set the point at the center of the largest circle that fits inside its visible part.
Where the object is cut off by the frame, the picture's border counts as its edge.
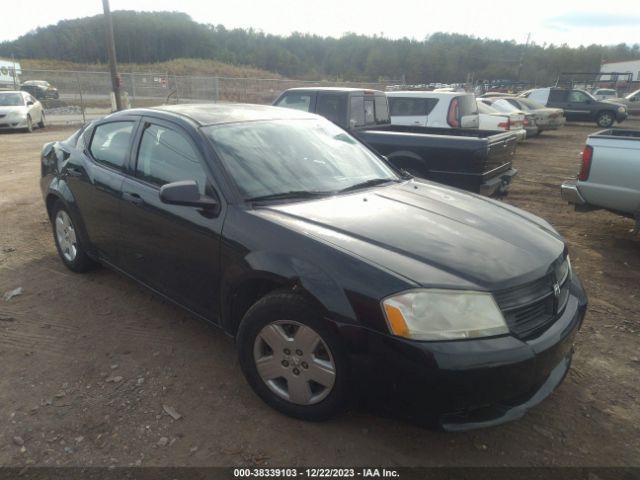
(291, 194)
(369, 183)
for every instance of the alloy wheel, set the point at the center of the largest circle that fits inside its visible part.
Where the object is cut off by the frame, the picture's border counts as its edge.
(66, 236)
(294, 362)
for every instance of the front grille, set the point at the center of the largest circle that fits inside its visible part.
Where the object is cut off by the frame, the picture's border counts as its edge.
(532, 308)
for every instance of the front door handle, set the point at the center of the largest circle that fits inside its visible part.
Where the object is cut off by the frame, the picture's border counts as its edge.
(133, 198)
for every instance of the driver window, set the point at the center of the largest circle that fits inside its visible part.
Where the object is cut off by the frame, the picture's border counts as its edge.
(166, 156)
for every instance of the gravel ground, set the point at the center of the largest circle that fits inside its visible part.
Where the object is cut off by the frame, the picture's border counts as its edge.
(98, 371)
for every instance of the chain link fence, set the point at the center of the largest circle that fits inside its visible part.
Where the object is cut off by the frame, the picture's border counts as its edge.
(82, 96)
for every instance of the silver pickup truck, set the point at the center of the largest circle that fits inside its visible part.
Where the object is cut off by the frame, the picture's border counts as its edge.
(610, 175)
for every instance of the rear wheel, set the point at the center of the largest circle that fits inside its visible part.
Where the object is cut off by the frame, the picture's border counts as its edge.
(291, 359)
(67, 239)
(605, 119)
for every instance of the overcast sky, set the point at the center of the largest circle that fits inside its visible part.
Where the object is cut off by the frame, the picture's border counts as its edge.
(574, 22)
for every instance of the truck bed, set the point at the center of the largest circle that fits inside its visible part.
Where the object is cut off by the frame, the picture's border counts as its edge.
(465, 158)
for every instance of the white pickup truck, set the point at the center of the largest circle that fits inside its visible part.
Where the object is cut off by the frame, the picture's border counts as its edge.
(610, 175)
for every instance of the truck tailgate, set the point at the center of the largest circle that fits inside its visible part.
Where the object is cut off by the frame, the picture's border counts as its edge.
(499, 154)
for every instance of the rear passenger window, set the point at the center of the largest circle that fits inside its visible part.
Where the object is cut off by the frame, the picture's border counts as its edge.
(110, 143)
(166, 156)
(357, 112)
(557, 96)
(332, 107)
(409, 107)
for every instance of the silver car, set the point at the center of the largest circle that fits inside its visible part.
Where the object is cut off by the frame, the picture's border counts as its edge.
(547, 118)
(20, 110)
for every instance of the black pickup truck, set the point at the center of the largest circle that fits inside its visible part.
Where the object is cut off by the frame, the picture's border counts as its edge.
(476, 160)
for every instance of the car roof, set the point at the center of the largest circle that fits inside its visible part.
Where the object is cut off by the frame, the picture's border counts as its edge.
(218, 113)
(424, 94)
(12, 91)
(332, 89)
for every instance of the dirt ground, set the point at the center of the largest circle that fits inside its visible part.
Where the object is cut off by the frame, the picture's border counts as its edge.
(88, 363)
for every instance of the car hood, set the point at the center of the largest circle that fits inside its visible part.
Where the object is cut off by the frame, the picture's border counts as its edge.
(417, 227)
(6, 110)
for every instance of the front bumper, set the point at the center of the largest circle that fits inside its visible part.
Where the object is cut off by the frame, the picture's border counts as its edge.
(463, 385)
(570, 193)
(499, 185)
(621, 117)
(12, 123)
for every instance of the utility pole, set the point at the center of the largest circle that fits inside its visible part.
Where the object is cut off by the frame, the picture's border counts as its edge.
(522, 56)
(111, 48)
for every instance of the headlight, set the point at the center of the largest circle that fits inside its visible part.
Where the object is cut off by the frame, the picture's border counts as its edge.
(622, 109)
(431, 314)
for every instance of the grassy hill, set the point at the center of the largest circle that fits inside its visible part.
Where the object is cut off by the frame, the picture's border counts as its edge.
(179, 66)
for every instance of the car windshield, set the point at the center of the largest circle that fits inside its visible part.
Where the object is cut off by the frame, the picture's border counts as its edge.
(632, 94)
(295, 157)
(530, 104)
(484, 108)
(504, 106)
(11, 100)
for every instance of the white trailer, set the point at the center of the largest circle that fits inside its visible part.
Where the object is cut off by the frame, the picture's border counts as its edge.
(10, 72)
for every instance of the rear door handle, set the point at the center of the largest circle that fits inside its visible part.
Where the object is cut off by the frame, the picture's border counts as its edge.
(133, 198)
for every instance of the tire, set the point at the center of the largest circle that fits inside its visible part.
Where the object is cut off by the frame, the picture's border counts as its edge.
(67, 239)
(605, 119)
(29, 127)
(42, 122)
(285, 334)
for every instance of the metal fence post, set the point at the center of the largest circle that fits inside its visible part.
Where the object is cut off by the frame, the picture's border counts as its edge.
(216, 89)
(84, 119)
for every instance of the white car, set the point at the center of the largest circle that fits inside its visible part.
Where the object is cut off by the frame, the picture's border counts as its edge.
(605, 93)
(20, 110)
(492, 119)
(433, 109)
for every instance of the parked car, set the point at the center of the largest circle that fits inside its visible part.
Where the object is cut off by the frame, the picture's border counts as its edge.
(502, 105)
(609, 177)
(631, 102)
(580, 105)
(496, 94)
(20, 111)
(475, 160)
(605, 93)
(334, 274)
(41, 89)
(546, 118)
(440, 109)
(492, 119)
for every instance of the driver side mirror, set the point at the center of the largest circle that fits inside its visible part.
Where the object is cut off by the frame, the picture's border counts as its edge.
(186, 193)
(29, 103)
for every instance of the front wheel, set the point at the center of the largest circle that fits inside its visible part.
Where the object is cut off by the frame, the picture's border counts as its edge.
(42, 122)
(29, 127)
(291, 359)
(67, 240)
(605, 119)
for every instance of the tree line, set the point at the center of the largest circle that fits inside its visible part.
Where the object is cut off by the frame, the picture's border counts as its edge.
(149, 37)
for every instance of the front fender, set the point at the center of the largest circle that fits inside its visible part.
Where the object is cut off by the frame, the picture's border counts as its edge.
(281, 270)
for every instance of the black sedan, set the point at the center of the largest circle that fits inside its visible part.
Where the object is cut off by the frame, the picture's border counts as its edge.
(335, 273)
